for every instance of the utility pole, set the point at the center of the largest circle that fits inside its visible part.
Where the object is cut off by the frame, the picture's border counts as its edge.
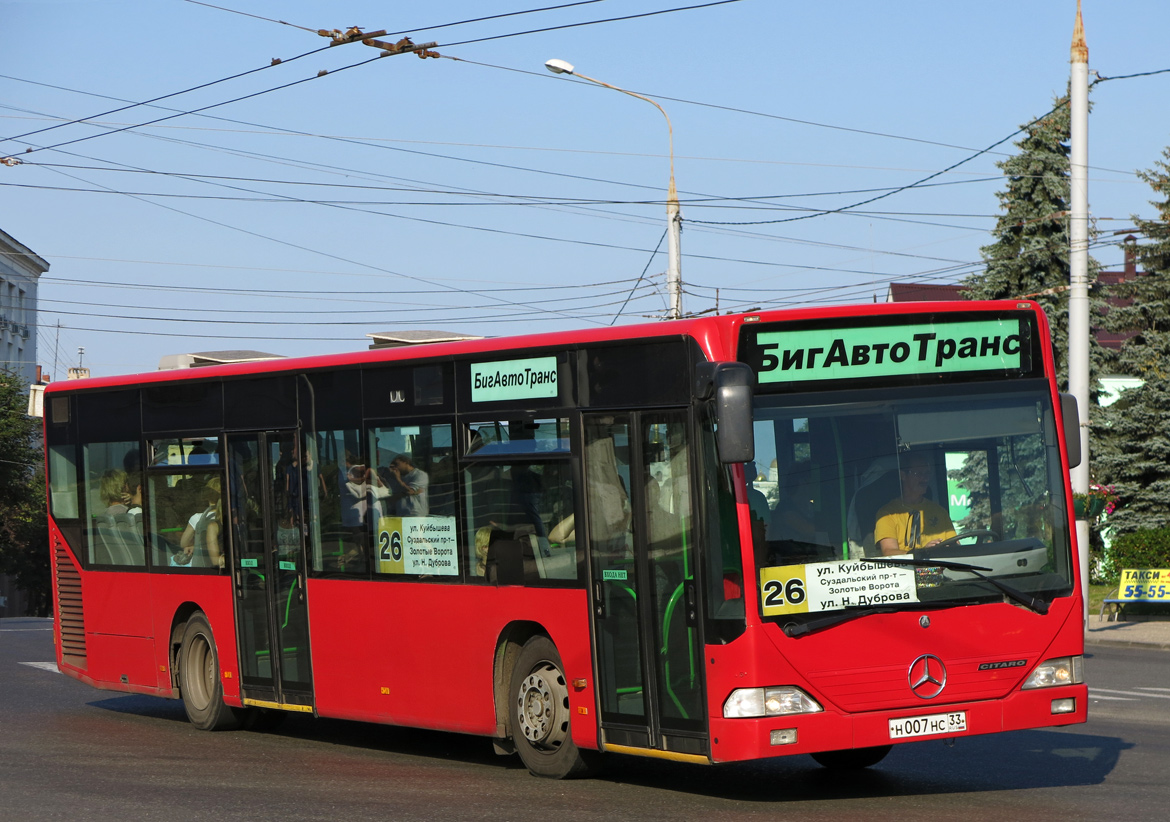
(56, 352)
(1078, 293)
(673, 243)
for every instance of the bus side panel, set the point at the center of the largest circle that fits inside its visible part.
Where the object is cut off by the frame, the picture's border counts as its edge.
(119, 627)
(122, 663)
(422, 655)
(210, 594)
(118, 602)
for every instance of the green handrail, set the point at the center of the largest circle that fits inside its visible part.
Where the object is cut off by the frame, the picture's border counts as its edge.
(667, 614)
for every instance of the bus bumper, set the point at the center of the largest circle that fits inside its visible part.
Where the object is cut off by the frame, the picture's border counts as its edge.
(744, 739)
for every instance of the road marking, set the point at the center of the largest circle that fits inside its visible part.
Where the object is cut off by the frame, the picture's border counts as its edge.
(1129, 693)
(15, 630)
(43, 666)
(1093, 695)
(1143, 688)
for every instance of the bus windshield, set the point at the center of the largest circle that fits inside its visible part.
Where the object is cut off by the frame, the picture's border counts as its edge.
(853, 494)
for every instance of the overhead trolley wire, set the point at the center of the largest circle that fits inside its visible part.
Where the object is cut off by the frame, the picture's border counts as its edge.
(407, 31)
(156, 99)
(205, 108)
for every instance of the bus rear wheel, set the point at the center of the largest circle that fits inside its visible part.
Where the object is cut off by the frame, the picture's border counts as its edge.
(539, 714)
(853, 759)
(199, 679)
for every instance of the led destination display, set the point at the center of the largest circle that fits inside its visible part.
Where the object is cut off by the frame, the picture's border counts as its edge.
(787, 356)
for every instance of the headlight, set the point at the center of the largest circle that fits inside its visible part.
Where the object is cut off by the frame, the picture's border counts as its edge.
(1065, 670)
(776, 701)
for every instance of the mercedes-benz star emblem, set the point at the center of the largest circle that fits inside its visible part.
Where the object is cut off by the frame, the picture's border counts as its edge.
(928, 676)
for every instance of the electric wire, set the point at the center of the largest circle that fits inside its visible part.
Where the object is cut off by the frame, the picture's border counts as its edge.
(564, 26)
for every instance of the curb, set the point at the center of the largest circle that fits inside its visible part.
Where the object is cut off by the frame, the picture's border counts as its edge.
(1127, 643)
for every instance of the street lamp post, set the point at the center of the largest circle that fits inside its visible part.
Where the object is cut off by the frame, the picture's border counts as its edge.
(673, 217)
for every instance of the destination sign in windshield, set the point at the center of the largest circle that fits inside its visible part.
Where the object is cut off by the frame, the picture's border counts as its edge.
(789, 355)
(832, 586)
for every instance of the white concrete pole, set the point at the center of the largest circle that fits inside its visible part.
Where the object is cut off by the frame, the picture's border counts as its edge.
(1078, 294)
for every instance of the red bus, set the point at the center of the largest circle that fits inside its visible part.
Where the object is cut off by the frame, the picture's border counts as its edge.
(821, 531)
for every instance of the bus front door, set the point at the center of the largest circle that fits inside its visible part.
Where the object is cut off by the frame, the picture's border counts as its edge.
(266, 482)
(642, 561)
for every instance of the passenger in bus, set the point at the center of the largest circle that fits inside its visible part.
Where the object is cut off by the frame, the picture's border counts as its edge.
(199, 455)
(527, 493)
(355, 506)
(112, 490)
(292, 481)
(794, 534)
(355, 493)
(133, 501)
(761, 514)
(200, 543)
(757, 501)
(483, 539)
(911, 520)
(404, 488)
(288, 538)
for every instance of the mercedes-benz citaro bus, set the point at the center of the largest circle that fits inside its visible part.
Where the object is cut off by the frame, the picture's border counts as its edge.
(823, 531)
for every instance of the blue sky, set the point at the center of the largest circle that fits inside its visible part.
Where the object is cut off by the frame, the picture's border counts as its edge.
(485, 195)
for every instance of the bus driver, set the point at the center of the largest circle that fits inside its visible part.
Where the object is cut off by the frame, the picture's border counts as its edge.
(912, 521)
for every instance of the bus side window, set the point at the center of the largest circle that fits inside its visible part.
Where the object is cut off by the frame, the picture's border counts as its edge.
(113, 488)
(407, 475)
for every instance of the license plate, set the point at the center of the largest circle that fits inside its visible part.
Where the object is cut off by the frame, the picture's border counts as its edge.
(929, 725)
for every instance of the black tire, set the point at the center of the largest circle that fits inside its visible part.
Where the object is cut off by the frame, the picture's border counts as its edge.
(199, 679)
(539, 716)
(853, 759)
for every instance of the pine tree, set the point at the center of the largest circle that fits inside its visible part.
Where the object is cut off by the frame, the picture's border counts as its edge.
(24, 536)
(1132, 440)
(1030, 255)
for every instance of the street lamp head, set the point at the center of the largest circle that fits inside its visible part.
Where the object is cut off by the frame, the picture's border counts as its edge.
(558, 66)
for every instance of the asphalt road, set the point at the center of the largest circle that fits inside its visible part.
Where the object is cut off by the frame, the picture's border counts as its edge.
(70, 752)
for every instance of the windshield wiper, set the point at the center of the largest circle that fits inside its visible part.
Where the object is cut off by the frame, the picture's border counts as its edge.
(1036, 604)
(799, 629)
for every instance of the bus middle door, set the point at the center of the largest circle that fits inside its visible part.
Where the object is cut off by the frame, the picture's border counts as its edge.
(266, 482)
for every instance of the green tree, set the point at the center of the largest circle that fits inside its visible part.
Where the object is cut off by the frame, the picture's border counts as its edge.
(1132, 439)
(24, 530)
(1030, 255)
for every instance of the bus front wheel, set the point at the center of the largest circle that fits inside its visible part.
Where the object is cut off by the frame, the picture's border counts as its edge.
(539, 714)
(199, 682)
(852, 759)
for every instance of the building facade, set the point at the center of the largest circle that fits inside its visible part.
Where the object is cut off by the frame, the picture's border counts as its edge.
(20, 269)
